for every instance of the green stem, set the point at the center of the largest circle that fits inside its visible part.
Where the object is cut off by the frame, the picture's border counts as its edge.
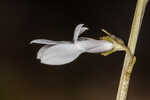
(130, 60)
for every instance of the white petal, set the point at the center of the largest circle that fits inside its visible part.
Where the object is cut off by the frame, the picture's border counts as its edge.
(83, 29)
(79, 30)
(103, 47)
(60, 54)
(84, 38)
(45, 41)
(41, 51)
(95, 46)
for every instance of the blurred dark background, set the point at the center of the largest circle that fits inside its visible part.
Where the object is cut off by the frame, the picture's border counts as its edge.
(91, 76)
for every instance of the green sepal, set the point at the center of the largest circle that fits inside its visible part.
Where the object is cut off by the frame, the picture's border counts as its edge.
(118, 44)
(107, 52)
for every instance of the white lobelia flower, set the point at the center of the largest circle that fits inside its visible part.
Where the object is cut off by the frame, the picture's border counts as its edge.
(63, 52)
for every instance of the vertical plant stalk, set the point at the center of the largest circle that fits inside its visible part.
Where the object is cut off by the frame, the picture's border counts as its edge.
(129, 62)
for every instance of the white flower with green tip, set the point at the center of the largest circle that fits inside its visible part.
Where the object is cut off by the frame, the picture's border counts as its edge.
(63, 52)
